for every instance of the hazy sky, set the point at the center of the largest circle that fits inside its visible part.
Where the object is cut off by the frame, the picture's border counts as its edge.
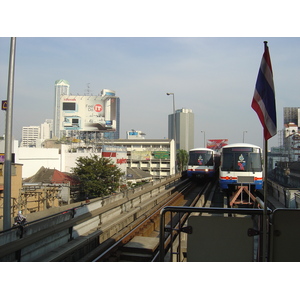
(145, 52)
(215, 77)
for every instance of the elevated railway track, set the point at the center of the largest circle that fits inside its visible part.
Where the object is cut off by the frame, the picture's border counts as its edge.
(71, 232)
(141, 243)
(153, 224)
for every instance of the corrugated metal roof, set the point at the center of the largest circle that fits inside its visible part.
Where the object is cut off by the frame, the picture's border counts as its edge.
(138, 174)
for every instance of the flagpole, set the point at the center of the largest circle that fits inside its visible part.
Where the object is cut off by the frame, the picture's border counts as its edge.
(265, 223)
(263, 103)
(265, 220)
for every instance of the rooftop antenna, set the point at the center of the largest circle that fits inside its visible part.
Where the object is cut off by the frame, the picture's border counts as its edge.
(88, 89)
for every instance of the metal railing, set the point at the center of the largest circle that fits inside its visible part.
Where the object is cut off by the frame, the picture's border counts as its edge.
(172, 228)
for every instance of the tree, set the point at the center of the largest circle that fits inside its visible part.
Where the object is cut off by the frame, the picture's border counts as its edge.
(182, 157)
(98, 175)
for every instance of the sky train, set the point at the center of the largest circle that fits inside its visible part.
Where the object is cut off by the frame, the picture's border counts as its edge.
(203, 162)
(241, 165)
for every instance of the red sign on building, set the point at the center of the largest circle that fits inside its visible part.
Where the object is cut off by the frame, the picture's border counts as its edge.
(98, 108)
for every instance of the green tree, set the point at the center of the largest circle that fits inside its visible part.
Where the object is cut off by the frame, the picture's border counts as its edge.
(182, 157)
(98, 175)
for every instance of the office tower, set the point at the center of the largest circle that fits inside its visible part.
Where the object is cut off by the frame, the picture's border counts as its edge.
(50, 122)
(46, 129)
(30, 135)
(89, 117)
(291, 115)
(62, 87)
(106, 94)
(184, 128)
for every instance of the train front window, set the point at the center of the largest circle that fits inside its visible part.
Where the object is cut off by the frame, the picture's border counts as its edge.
(241, 161)
(200, 158)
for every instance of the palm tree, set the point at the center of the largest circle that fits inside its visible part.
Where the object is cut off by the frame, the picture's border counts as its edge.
(182, 159)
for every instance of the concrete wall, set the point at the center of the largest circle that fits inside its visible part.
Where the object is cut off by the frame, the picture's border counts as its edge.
(35, 158)
(284, 195)
(76, 224)
(16, 185)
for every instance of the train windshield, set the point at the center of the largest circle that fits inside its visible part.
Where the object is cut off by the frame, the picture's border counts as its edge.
(241, 159)
(201, 157)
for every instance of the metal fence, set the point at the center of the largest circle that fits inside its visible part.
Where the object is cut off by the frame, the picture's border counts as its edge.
(205, 234)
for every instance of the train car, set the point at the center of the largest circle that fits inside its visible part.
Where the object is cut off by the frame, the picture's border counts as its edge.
(203, 162)
(241, 165)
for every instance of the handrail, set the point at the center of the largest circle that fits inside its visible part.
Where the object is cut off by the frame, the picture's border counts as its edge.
(211, 210)
(89, 211)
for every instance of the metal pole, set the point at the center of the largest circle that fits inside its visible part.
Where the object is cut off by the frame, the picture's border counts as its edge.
(174, 126)
(175, 131)
(8, 139)
(265, 224)
(174, 120)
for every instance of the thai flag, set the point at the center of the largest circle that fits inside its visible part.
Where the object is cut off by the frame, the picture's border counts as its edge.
(264, 96)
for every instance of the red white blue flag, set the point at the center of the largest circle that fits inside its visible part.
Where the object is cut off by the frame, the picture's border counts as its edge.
(264, 96)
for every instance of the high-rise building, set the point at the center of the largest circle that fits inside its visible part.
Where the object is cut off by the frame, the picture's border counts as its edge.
(112, 135)
(291, 123)
(46, 130)
(30, 135)
(50, 122)
(62, 87)
(184, 128)
(291, 115)
(87, 117)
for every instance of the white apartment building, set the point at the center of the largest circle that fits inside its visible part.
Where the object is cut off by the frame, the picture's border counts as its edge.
(30, 135)
(46, 129)
(154, 156)
(33, 136)
(62, 87)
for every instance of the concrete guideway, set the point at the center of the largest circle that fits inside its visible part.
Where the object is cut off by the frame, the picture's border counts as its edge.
(76, 227)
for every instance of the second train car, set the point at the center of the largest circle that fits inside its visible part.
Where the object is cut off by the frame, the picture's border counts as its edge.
(241, 164)
(203, 162)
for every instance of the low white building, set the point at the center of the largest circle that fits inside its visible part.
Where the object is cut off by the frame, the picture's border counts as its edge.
(135, 134)
(35, 158)
(154, 156)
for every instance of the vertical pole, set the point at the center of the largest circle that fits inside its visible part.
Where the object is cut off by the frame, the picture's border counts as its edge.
(8, 139)
(174, 129)
(265, 223)
(175, 133)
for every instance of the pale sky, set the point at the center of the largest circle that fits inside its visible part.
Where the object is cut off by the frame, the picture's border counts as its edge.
(213, 76)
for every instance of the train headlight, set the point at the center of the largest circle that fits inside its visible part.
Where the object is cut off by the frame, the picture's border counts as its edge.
(206, 170)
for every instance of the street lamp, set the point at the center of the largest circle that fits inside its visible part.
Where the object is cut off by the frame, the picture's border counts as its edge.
(174, 122)
(244, 135)
(174, 128)
(204, 138)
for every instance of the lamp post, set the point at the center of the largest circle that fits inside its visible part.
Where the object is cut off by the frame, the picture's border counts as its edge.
(174, 125)
(244, 136)
(174, 122)
(8, 140)
(203, 138)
